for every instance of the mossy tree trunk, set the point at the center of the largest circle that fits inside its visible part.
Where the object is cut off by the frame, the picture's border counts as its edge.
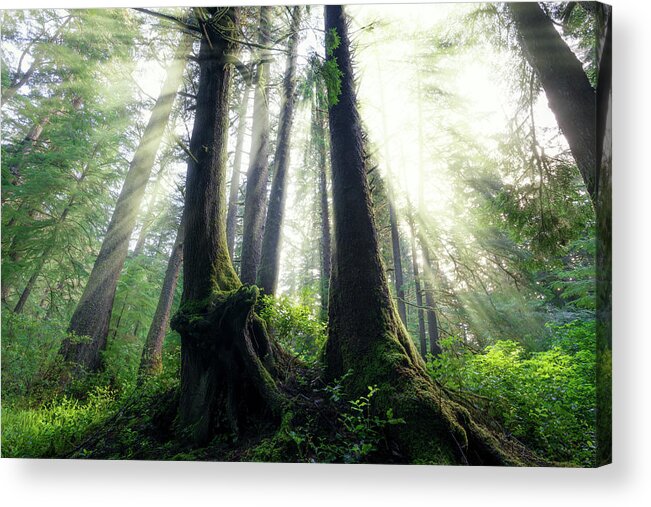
(365, 332)
(267, 276)
(90, 320)
(228, 362)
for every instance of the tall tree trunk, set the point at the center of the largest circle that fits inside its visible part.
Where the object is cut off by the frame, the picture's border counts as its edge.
(234, 191)
(318, 128)
(227, 359)
(365, 333)
(151, 362)
(24, 296)
(258, 172)
(93, 313)
(267, 277)
(604, 249)
(422, 338)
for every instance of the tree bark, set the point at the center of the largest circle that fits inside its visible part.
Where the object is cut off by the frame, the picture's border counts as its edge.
(258, 172)
(227, 360)
(604, 249)
(93, 312)
(365, 334)
(267, 277)
(234, 191)
(151, 362)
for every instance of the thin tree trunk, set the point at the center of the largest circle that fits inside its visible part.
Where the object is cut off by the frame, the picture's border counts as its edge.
(393, 221)
(430, 300)
(319, 131)
(397, 262)
(258, 172)
(419, 294)
(151, 362)
(267, 277)
(93, 313)
(234, 191)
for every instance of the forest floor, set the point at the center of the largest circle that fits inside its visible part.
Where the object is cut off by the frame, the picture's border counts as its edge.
(319, 425)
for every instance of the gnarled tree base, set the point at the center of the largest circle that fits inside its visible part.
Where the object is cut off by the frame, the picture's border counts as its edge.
(228, 366)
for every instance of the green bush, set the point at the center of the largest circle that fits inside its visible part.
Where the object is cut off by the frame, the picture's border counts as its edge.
(295, 326)
(546, 399)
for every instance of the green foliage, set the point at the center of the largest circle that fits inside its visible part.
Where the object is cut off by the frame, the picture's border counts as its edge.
(364, 429)
(546, 399)
(330, 70)
(53, 428)
(29, 355)
(352, 432)
(295, 326)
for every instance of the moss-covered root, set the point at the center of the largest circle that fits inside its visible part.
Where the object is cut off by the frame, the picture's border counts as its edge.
(437, 429)
(228, 367)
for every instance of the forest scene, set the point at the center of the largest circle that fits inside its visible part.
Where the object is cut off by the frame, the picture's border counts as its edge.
(313, 234)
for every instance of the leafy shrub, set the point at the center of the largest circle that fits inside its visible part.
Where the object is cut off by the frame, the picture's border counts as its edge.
(295, 326)
(546, 399)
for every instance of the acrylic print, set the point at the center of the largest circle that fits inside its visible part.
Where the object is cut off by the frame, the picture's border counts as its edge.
(358, 234)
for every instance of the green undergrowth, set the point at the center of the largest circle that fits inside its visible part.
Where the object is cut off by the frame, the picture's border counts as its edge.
(295, 326)
(545, 399)
(323, 424)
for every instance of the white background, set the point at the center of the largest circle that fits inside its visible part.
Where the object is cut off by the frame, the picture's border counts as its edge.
(626, 482)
